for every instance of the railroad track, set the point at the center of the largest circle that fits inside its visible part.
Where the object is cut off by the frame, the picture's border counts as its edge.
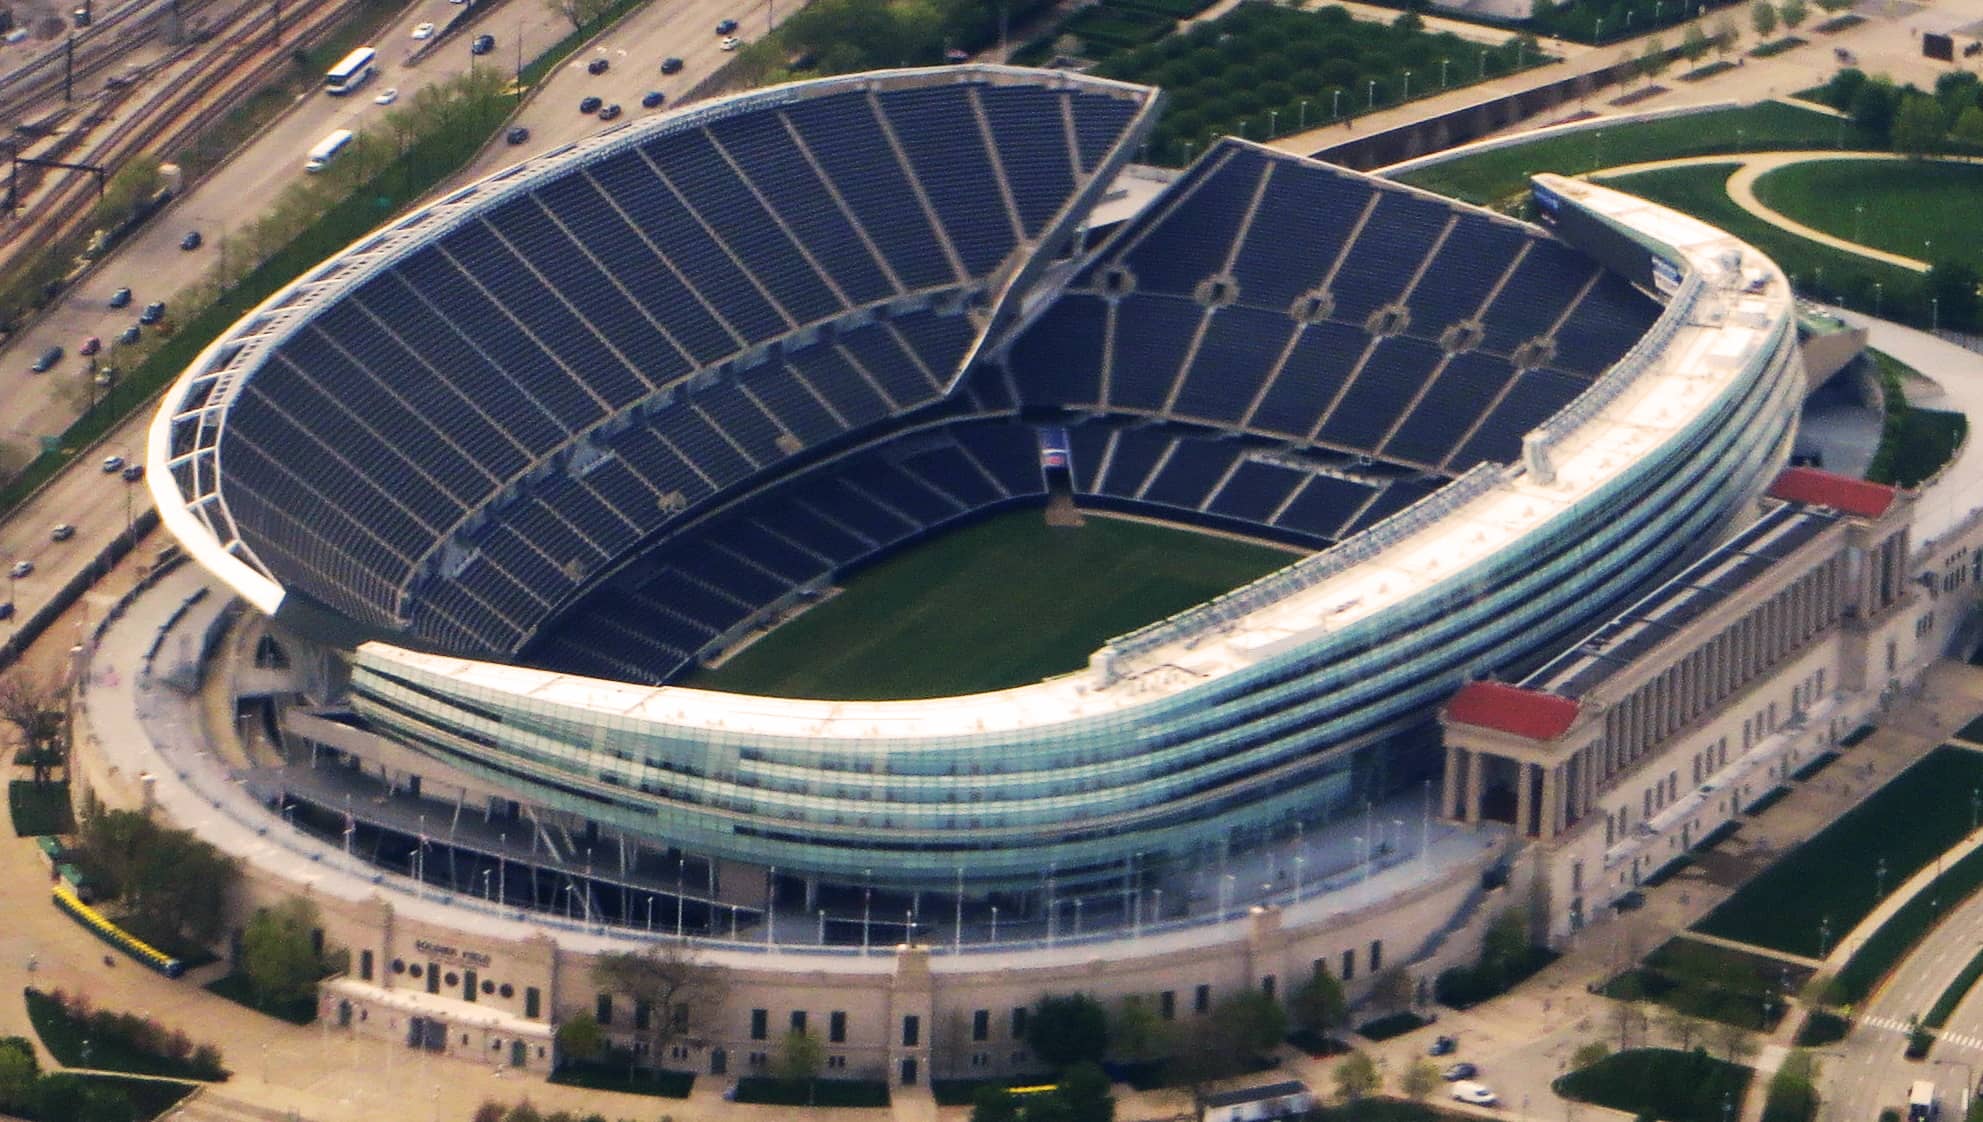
(217, 76)
(121, 30)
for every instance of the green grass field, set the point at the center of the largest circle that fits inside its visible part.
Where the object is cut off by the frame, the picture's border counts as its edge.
(1000, 603)
(1770, 126)
(1909, 204)
(1702, 192)
(1834, 876)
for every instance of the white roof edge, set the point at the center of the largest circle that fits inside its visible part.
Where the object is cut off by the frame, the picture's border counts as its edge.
(193, 535)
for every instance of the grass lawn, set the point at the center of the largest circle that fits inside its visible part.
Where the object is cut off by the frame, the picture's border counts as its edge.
(1492, 176)
(1908, 204)
(1928, 439)
(66, 1038)
(40, 810)
(1814, 270)
(1830, 880)
(149, 1097)
(237, 988)
(963, 1092)
(614, 1077)
(961, 613)
(1711, 982)
(1884, 948)
(1670, 1085)
(820, 1092)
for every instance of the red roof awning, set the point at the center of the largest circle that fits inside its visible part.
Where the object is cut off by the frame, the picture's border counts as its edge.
(1526, 713)
(1840, 492)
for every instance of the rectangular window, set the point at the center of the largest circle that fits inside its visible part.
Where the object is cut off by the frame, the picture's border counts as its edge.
(532, 1003)
(760, 1024)
(1349, 965)
(603, 1009)
(981, 1025)
(642, 1012)
(1376, 955)
(364, 966)
(912, 1031)
(836, 1027)
(1201, 1001)
(798, 1020)
(1019, 1022)
(1267, 986)
(1167, 1005)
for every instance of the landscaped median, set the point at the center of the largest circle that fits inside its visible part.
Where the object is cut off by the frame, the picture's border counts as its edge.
(116, 936)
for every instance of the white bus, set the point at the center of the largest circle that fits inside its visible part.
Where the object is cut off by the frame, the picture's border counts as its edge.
(327, 150)
(351, 73)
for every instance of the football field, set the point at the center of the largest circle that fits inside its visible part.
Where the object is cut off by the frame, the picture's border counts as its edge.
(999, 603)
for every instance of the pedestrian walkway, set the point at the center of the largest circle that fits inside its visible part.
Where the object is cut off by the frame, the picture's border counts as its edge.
(1752, 948)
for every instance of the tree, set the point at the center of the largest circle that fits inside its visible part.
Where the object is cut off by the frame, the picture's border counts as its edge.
(1694, 43)
(173, 884)
(1918, 125)
(18, 1071)
(33, 705)
(1680, 1028)
(1952, 285)
(1356, 1076)
(681, 992)
(279, 953)
(994, 1102)
(1420, 1079)
(1653, 59)
(801, 1055)
(1626, 1019)
(1392, 989)
(1086, 1091)
(580, 1038)
(581, 13)
(1733, 1042)
(1068, 1029)
(1873, 105)
(1832, 6)
(1762, 16)
(1138, 1034)
(1252, 1021)
(1588, 1054)
(1726, 36)
(1318, 1005)
(1793, 13)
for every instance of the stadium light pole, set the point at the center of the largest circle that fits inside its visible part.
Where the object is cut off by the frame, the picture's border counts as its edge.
(1408, 87)
(1304, 113)
(1370, 101)
(1336, 103)
(1443, 64)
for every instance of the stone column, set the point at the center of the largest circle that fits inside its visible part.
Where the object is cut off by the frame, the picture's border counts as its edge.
(1524, 804)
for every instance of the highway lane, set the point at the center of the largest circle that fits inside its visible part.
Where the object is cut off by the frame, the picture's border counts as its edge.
(154, 266)
(1866, 1072)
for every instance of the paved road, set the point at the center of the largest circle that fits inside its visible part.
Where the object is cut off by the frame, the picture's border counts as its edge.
(153, 264)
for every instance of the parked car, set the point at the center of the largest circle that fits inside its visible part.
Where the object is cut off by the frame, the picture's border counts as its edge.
(482, 45)
(153, 312)
(107, 376)
(652, 99)
(191, 241)
(1460, 1071)
(121, 298)
(1443, 1046)
(90, 346)
(610, 112)
(671, 65)
(598, 66)
(130, 335)
(48, 359)
(517, 134)
(21, 569)
(62, 532)
(1474, 1094)
(112, 463)
(731, 43)
(133, 472)
(387, 96)
(424, 31)
(726, 27)
(590, 104)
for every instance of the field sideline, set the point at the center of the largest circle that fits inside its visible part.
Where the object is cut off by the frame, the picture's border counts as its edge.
(999, 603)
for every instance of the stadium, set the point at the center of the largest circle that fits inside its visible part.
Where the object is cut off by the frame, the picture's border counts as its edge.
(504, 474)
